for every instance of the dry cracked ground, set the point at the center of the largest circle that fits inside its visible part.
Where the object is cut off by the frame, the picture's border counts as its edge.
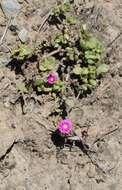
(28, 158)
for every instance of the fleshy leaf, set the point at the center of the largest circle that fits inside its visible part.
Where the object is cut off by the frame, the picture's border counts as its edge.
(22, 52)
(91, 43)
(103, 68)
(77, 70)
(93, 82)
(48, 64)
(65, 7)
(71, 20)
(38, 82)
(47, 89)
(57, 86)
(22, 88)
(84, 71)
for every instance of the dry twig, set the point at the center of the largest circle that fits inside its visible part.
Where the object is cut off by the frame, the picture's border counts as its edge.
(52, 53)
(44, 20)
(115, 39)
(5, 31)
(105, 134)
(42, 25)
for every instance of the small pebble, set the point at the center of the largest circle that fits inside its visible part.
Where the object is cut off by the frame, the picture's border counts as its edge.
(6, 103)
(3, 61)
(10, 7)
(91, 172)
(23, 35)
(4, 49)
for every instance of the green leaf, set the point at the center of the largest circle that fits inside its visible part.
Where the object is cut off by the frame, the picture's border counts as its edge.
(84, 80)
(40, 88)
(103, 68)
(77, 70)
(89, 86)
(56, 11)
(92, 55)
(66, 36)
(84, 71)
(59, 83)
(70, 53)
(58, 39)
(91, 62)
(42, 67)
(84, 87)
(91, 43)
(57, 86)
(48, 64)
(22, 88)
(38, 82)
(65, 7)
(92, 76)
(83, 33)
(71, 20)
(92, 69)
(93, 82)
(22, 52)
(69, 50)
(47, 89)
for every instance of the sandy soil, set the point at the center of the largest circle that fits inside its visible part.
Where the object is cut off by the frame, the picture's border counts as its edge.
(28, 158)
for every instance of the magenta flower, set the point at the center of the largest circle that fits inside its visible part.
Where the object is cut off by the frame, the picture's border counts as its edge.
(52, 78)
(65, 127)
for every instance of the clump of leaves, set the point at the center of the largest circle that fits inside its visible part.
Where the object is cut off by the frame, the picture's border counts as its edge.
(92, 49)
(22, 53)
(47, 64)
(81, 60)
(48, 79)
(42, 86)
(69, 65)
(59, 12)
(75, 55)
(71, 20)
(60, 39)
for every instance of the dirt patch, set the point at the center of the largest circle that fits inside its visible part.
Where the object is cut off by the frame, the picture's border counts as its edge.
(29, 160)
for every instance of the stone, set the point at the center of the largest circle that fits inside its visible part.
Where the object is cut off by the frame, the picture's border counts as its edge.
(10, 7)
(4, 61)
(7, 102)
(4, 49)
(92, 171)
(23, 35)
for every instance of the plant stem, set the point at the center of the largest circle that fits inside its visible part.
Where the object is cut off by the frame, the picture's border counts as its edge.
(53, 53)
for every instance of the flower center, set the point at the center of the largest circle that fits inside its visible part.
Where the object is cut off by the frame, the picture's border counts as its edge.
(52, 79)
(65, 126)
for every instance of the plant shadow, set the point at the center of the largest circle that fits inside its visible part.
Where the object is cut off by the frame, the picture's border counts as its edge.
(60, 142)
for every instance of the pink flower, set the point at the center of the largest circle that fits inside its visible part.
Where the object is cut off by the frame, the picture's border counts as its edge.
(52, 78)
(65, 127)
